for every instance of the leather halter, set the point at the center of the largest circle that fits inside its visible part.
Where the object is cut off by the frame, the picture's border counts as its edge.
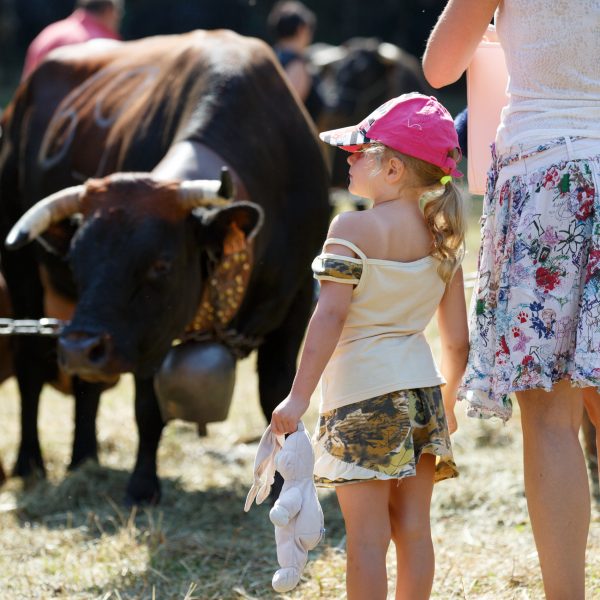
(222, 296)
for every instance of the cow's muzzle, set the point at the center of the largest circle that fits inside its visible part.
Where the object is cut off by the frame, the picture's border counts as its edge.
(87, 355)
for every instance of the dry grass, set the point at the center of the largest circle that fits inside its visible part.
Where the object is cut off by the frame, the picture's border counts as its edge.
(70, 537)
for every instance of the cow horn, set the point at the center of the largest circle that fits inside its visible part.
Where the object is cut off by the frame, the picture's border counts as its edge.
(324, 55)
(44, 213)
(207, 192)
(389, 53)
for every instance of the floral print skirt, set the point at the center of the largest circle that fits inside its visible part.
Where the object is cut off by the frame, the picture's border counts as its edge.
(535, 309)
(383, 438)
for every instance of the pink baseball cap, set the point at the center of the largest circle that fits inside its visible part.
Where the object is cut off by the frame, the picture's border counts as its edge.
(413, 124)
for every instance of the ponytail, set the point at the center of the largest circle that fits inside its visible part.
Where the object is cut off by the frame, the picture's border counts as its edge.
(444, 214)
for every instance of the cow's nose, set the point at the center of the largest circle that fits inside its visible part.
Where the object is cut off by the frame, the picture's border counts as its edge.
(80, 352)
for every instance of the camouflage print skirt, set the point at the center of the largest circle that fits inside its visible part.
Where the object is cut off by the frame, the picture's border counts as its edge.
(383, 438)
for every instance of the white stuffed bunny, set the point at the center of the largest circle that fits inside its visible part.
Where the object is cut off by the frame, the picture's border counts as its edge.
(264, 467)
(297, 514)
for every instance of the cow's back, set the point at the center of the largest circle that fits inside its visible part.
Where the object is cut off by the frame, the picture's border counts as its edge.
(121, 109)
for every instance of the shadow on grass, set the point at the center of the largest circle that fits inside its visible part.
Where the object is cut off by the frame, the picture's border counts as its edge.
(197, 544)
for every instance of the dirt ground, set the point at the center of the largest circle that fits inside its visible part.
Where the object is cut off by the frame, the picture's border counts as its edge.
(71, 537)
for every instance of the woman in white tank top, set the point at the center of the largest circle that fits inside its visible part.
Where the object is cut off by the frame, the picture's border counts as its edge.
(535, 313)
(382, 439)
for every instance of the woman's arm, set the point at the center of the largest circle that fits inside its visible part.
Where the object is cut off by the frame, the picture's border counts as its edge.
(454, 334)
(454, 39)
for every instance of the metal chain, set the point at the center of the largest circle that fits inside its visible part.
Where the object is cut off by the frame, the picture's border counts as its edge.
(240, 345)
(47, 327)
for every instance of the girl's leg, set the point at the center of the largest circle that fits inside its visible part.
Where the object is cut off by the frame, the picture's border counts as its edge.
(365, 510)
(556, 486)
(591, 398)
(410, 502)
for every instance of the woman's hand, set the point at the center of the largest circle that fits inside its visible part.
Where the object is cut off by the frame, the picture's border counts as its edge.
(288, 413)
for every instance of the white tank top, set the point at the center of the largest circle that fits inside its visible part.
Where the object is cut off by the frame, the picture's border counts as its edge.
(552, 50)
(382, 347)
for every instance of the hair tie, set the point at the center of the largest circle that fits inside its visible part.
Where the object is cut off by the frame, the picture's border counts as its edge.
(446, 179)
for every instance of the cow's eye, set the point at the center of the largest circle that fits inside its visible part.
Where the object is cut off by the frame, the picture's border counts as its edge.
(158, 269)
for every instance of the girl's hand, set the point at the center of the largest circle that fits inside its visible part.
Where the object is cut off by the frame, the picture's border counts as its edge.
(449, 404)
(287, 414)
(451, 420)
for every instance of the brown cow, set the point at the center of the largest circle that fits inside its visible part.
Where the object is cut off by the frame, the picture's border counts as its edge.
(146, 251)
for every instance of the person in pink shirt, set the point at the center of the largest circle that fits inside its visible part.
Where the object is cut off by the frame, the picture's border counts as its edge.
(91, 19)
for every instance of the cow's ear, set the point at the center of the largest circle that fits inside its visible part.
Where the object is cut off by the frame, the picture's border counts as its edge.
(245, 217)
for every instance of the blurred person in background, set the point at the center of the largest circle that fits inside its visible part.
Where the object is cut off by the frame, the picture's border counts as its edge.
(292, 26)
(91, 19)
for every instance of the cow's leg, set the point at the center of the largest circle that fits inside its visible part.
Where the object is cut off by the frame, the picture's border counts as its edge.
(30, 380)
(278, 354)
(33, 356)
(144, 486)
(590, 435)
(85, 443)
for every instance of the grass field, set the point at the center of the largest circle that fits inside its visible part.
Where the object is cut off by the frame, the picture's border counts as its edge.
(71, 537)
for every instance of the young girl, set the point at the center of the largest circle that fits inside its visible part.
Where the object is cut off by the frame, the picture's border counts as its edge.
(382, 437)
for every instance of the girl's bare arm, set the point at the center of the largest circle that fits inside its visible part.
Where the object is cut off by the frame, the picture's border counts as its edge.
(454, 39)
(454, 335)
(323, 331)
(322, 336)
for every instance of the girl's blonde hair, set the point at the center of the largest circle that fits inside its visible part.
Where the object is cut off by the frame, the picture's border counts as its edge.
(443, 207)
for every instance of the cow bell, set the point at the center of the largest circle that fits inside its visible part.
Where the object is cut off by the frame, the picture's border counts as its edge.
(195, 383)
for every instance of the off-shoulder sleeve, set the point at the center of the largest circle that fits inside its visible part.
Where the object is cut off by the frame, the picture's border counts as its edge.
(341, 269)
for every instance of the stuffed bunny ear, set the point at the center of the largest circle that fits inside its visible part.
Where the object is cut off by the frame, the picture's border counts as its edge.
(264, 467)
